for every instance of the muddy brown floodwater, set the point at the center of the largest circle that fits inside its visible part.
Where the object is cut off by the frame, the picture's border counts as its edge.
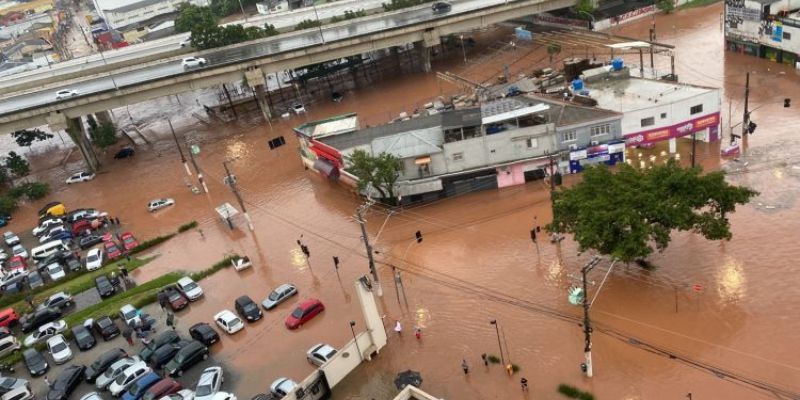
(724, 306)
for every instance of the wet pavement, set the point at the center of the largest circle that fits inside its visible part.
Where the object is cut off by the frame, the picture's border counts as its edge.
(709, 306)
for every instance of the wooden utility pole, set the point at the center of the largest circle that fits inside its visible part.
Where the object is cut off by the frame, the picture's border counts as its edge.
(231, 181)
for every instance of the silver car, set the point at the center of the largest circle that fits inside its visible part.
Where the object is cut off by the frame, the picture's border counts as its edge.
(113, 371)
(320, 354)
(279, 295)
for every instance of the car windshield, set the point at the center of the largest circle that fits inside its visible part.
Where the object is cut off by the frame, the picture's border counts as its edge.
(81, 335)
(203, 390)
(173, 296)
(54, 269)
(129, 240)
(330, 353)
(111, 372)
(249, 307)
(104, 323)
(59, 347)
(130, 314)
(91, 258)
(189, 286)
(298, 312)
(234, 321)
(120, 379)
(274, 295)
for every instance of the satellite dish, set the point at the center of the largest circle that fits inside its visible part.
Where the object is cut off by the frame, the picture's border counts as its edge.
(575, 296)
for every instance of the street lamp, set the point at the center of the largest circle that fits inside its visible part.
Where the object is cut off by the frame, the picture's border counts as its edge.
(497, 330)
(352, 329)
(242, 8)
(314, 6)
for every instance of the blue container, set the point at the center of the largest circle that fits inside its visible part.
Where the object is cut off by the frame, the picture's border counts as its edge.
(616, 64)
(577, 85)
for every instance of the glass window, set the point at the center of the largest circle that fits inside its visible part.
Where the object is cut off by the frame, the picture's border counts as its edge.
(568, 136)
(696, 109)
(532, 143)
(458, 156)
(600, 130)
(663, 115)
(648, 121)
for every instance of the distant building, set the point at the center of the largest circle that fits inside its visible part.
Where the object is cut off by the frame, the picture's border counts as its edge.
(119, 14)
(764, 28)
(272, 6)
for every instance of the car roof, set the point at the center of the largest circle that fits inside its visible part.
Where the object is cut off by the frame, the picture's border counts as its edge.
(283, 287)
(226, 315)
(309, 302)
(56, 339)
(94, 250)
(245, 299)
(185, 280)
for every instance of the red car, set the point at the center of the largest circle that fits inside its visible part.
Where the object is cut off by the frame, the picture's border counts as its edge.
(304, 312)
(164, 387)
(81, 226)
(128, 241)
(107, 237)
(8, 317)
(112, 250)
(17, 262)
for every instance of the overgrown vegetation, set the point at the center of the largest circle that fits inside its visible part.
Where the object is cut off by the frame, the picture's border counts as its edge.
(585, 9)
(206, 34)
(697, 3)
(401, 4)
(26, 137)
(222, 264)
(102, 135)
(574, 393)
(665, 5)
(185, 227)
(349, 15)
(379, 173)
(307, 23)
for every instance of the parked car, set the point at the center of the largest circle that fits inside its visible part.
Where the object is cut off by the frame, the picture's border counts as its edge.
(282, 386)
(10, 383)
(320, 354)
(35, 280)
(104, 286)
(128, 241)
(94, 259)
(124, 152)
(162, 388)
(186, 357)
(39, 318)
(193, 62)
(112, 250)
(66, 93)
(44, 332)
(91, 396)
(304, 312)
(106, 327)
(9, 344)
(58, 301)
(66, 382)
(13, 276)
(17, 262)
(19, 393)
(441, 7)
(35, 362)
(164, 354)
(82, 176)
(112, 372)
(209, 383)
(298, 108)
(189, 288)
(247, 308)
(185, 394)
(81, 227)
(10, 238)
(228, 321)
(128, 377)
(204, 333)
(186, 42)
(158, 204)
(279, 295)
(224, 396)
(19, 250)
(84, 338)
(56, 271)
(47, 224)
(174, 298)
(102, 363)
(55, 233)
(166, 337)
(73, 263)
(8, 317)
(5, 332)
(14, 288)
(140, 386)
(59, 349)
(129, 314)
(88, 241)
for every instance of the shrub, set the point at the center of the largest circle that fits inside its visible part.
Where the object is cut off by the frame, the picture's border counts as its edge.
(493, 359)
(7, 204)
(151, 242)
(185, 227)
(574, 393)
(307, 23)
(36, 190)
(222, 264)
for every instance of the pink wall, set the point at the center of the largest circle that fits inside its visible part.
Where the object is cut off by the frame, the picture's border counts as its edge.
(511, 175)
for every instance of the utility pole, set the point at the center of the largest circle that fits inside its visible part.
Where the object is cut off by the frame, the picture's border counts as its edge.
(587, 324)
(231, 181)
(746, 115)
(180, 151)
(361, 221)
(694, 146)
(197, 169)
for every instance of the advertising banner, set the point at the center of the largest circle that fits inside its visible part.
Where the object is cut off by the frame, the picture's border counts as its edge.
(674, 131)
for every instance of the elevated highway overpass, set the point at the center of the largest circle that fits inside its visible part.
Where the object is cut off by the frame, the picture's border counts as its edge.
(252, 60)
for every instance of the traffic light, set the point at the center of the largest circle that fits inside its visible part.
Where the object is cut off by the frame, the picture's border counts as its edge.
(787, 103)
(418, 235)
(751, 127)
(533, 234)
(336, 262)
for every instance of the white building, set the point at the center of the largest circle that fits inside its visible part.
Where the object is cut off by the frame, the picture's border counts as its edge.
(764, 28)
(120, 13)
(272, 6)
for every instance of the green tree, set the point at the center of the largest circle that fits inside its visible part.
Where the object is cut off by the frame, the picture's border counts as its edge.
(36, 190)
(17, 165)
(665, 5)
(379, 172)
(191, 16)
(307, 23)
(104, 135)
(401, 4)
(585, 9)
(26, 137)
(5, 178)
(7, 204)
(552, 50)
(621, 214)
(270, 30)
(206, 37)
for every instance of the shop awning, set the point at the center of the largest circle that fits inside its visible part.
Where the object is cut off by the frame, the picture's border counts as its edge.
(422, 160)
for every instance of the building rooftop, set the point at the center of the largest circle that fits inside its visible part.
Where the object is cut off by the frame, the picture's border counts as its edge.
(124, 5)
(628, 94)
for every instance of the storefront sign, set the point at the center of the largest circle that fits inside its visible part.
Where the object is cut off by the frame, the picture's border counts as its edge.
(608, 153)
(560, 20)
(674, 131)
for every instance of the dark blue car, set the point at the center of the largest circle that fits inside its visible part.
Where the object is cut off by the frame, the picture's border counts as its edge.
(139, 388)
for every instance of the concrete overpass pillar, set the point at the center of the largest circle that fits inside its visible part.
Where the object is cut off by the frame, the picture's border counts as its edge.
(263, 104)
(255, 79)
(424, 55)
(103, 117)
(77, 131)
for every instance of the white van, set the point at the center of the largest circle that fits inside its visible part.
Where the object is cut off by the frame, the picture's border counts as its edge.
(23, 392)
(48, 249)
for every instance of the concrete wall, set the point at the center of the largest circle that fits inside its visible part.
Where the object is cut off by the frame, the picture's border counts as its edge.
(583, 135)
(117, 19)
(499, 148)
(676, 112)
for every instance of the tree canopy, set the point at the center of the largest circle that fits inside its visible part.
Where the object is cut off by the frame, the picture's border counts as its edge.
(379, 172)
(206, 34)
(103, 135)
(26, 137)
(17, 165)
(191, 16)
(624, 214)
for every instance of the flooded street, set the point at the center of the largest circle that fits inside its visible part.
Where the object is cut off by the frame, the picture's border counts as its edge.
(659, 334)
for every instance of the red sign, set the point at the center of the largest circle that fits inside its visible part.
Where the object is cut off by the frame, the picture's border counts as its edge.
(697, 287)
(675, 131)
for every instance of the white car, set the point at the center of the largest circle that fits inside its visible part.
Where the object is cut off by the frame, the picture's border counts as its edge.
(65, 93)
(10, 277)
(91, 396)
(224, 396)
(59, 349)
(19, 250)
(189, 288)
(320, 354)
(191, 62)
(129, 314)
(94, 259)
(10, 238)
(112, 372)
(298, 109)
(229, 322)
(3, 255)
(282, 386)
(185, 394)
(53, 232)
(127, 378)
(46, 225)
(158, 204)
(56, 271)
(80, 177)
(23, 392)
(186, 42)
(209, 383)
(44, 332)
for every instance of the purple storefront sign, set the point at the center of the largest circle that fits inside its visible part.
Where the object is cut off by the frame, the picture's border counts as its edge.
(675, 131)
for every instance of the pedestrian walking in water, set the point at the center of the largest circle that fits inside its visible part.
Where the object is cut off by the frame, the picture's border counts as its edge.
(465, 366)
(485, 359)
(524, 383)
(116, 221)
(418, 332)
(128, 335)
(397, 327)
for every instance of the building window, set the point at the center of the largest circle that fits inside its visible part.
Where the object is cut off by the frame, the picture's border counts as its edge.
(696, 109)
(600, 130)
(568, 136)
(458, 156)
(787, 35)
(532, 143)
(648, 121)
(663, 115)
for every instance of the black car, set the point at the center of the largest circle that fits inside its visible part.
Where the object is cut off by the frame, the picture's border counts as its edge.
(88, 241)
(168, 336)
(124, 152)
(106, 327)
(204, 333)
(66, 382)
(35, 362)
(104, 286)
(84, 338)
(73, 264)
(13, 288)
(57, 257)
(441, 7)
(164, 354)
(247, 308)
(39, 318)
(35, 280)
(102, 363)
(189, 355)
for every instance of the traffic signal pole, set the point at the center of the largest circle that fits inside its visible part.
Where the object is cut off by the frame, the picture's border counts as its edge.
(746, 115)
(587, 323)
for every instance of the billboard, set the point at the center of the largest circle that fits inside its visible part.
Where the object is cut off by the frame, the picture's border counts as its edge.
(675, 131)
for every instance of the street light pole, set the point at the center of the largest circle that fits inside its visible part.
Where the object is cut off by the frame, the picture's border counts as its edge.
(321, 36)
(232, 183)
(362, 222)
(587, 324)
(180, 151)
(499, 344)
(463, 50)
(352, 329)
(242, 8)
